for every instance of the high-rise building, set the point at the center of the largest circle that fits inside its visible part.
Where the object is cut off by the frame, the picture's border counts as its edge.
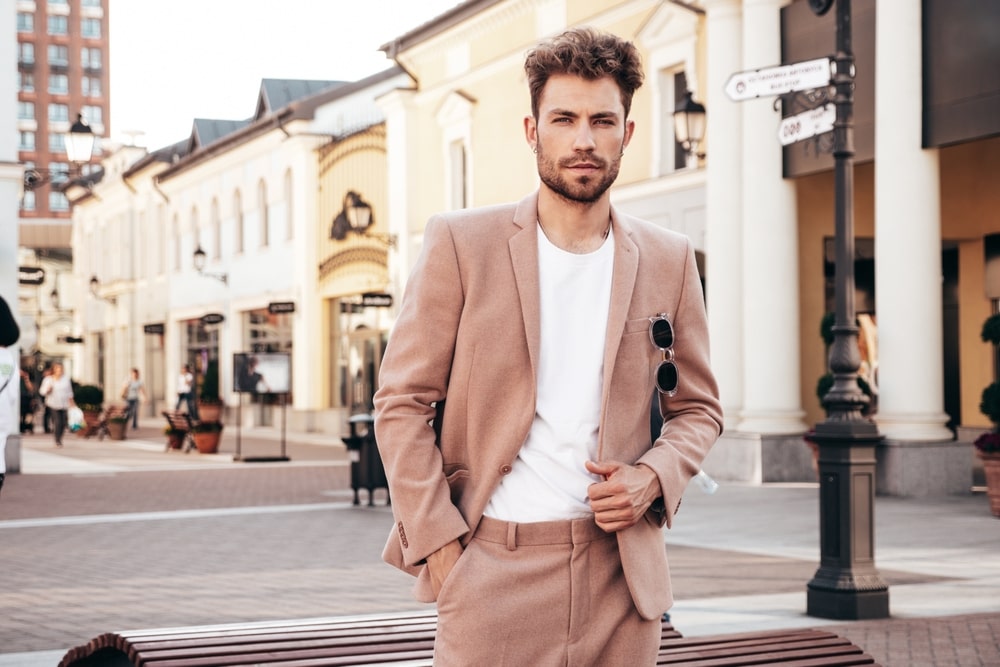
(63, 75)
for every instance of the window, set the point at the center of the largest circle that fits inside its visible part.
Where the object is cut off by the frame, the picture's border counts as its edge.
(90, 3)
(238, 221)
(59, 171)
(177, 242)
(59, 112)
(26, 141)
(25, 22)
(26, 111)
(28, 201)
(216, 231)
(58, 201)
(59, 84)
(26, 53)
(457, 170)
(90, 57)
(58, 25)
(57, 142)
(91, 86)
(265, 223)
(90, 28)
(94, 115)
(26, 82)
(58, 55)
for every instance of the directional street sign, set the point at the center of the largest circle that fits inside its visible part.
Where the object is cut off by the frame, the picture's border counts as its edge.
(807, 124)
(779, 80)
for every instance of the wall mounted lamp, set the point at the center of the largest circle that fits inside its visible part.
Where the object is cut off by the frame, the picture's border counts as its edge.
(95, 285)
(199, 266)
(79, 150)
(357, 216)
(689, 124)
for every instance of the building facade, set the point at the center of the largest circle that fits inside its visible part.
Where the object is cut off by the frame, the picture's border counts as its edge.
(448, 133)
(62, 74)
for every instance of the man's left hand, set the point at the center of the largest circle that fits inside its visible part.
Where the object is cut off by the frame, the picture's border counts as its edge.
(624, 496)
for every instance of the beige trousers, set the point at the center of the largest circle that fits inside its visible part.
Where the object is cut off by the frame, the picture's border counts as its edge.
(540, 595)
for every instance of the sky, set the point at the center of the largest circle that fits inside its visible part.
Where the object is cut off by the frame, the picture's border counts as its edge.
(172, 62)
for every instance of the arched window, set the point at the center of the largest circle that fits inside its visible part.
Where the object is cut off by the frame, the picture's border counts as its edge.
(238, 222)
(177, 242)
(216, 231)
(265, 224)
(195, 229)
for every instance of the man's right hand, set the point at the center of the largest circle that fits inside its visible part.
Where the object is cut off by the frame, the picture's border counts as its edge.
(440, 562)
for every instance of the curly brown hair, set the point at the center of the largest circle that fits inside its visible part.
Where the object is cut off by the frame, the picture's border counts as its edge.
(587, 53)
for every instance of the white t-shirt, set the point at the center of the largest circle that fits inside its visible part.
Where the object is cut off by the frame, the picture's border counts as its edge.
(548, 480)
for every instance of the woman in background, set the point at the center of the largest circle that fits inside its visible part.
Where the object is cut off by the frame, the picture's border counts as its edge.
(134, 391)
(58, 392)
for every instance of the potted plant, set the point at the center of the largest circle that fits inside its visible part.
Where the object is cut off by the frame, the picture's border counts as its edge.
(175, 437)
(209, 401)
(116, 426)
(988, 444)
(90, 399)
(206, 436)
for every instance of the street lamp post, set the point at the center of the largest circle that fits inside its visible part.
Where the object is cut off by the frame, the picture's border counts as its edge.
(847, 585)
(199, 266)
(689, 127)
(79, 149)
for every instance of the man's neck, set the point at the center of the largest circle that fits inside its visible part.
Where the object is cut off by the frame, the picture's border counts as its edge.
(574, 226)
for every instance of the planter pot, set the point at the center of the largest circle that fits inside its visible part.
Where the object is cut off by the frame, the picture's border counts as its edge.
(209, 412)
(91, 422)
(175, 440)
(991, 468)
(208, 442)
(116, 430)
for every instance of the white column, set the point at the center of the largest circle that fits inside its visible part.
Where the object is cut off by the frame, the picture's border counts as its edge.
(907, 237)
(724, 204)
(772, 401)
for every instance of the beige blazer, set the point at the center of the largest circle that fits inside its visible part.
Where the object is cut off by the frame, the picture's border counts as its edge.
(468, 331)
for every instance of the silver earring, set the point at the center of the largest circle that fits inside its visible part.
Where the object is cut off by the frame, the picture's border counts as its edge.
(535, 150)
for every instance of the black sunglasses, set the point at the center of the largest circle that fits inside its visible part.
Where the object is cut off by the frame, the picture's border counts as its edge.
(661, 333)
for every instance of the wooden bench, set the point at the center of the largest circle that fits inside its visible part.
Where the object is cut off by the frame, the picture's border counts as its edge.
(407, 640)
(182, 422)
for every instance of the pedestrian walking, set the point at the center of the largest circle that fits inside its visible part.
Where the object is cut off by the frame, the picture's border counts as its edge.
(58, 392)
(513, 412)
(29, 404)
(185, 391)
(9, 333)
(134, 392)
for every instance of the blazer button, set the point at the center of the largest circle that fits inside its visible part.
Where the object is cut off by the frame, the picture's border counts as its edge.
(505, 469)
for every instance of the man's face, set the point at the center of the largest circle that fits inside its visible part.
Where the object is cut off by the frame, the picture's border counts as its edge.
(579, 136)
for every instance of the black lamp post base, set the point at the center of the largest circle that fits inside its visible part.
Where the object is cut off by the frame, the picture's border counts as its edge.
(847, 605)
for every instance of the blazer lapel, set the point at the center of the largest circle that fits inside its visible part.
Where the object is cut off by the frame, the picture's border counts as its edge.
(524, 259)
(622, 286)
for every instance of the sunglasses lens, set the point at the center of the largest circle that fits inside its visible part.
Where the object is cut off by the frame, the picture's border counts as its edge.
(666, 377)
(662, 333)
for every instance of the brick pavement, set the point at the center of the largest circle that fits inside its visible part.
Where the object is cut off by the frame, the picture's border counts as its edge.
(152, 539)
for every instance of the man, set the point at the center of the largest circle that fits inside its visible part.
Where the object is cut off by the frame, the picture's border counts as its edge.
(531, 506)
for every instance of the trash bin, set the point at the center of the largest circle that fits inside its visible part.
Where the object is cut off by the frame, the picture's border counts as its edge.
(367, 471)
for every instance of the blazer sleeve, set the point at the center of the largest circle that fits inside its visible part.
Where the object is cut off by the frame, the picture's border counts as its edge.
(413, 379)
(693, 416)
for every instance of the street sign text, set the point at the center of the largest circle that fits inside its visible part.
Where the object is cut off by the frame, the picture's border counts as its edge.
(779, 80)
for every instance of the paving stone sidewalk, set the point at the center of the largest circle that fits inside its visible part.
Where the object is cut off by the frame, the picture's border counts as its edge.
(122, 535)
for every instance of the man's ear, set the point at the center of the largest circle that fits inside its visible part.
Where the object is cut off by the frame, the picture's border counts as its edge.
(629, 130)
(531, 132)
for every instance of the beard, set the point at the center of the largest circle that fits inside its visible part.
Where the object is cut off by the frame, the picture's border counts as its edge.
(579, 189)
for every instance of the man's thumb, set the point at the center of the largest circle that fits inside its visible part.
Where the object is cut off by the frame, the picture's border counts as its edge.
(603, 468)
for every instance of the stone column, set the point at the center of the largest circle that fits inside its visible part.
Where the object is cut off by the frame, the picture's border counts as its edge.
(908, 264)
(771, 361)
(724, 204)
